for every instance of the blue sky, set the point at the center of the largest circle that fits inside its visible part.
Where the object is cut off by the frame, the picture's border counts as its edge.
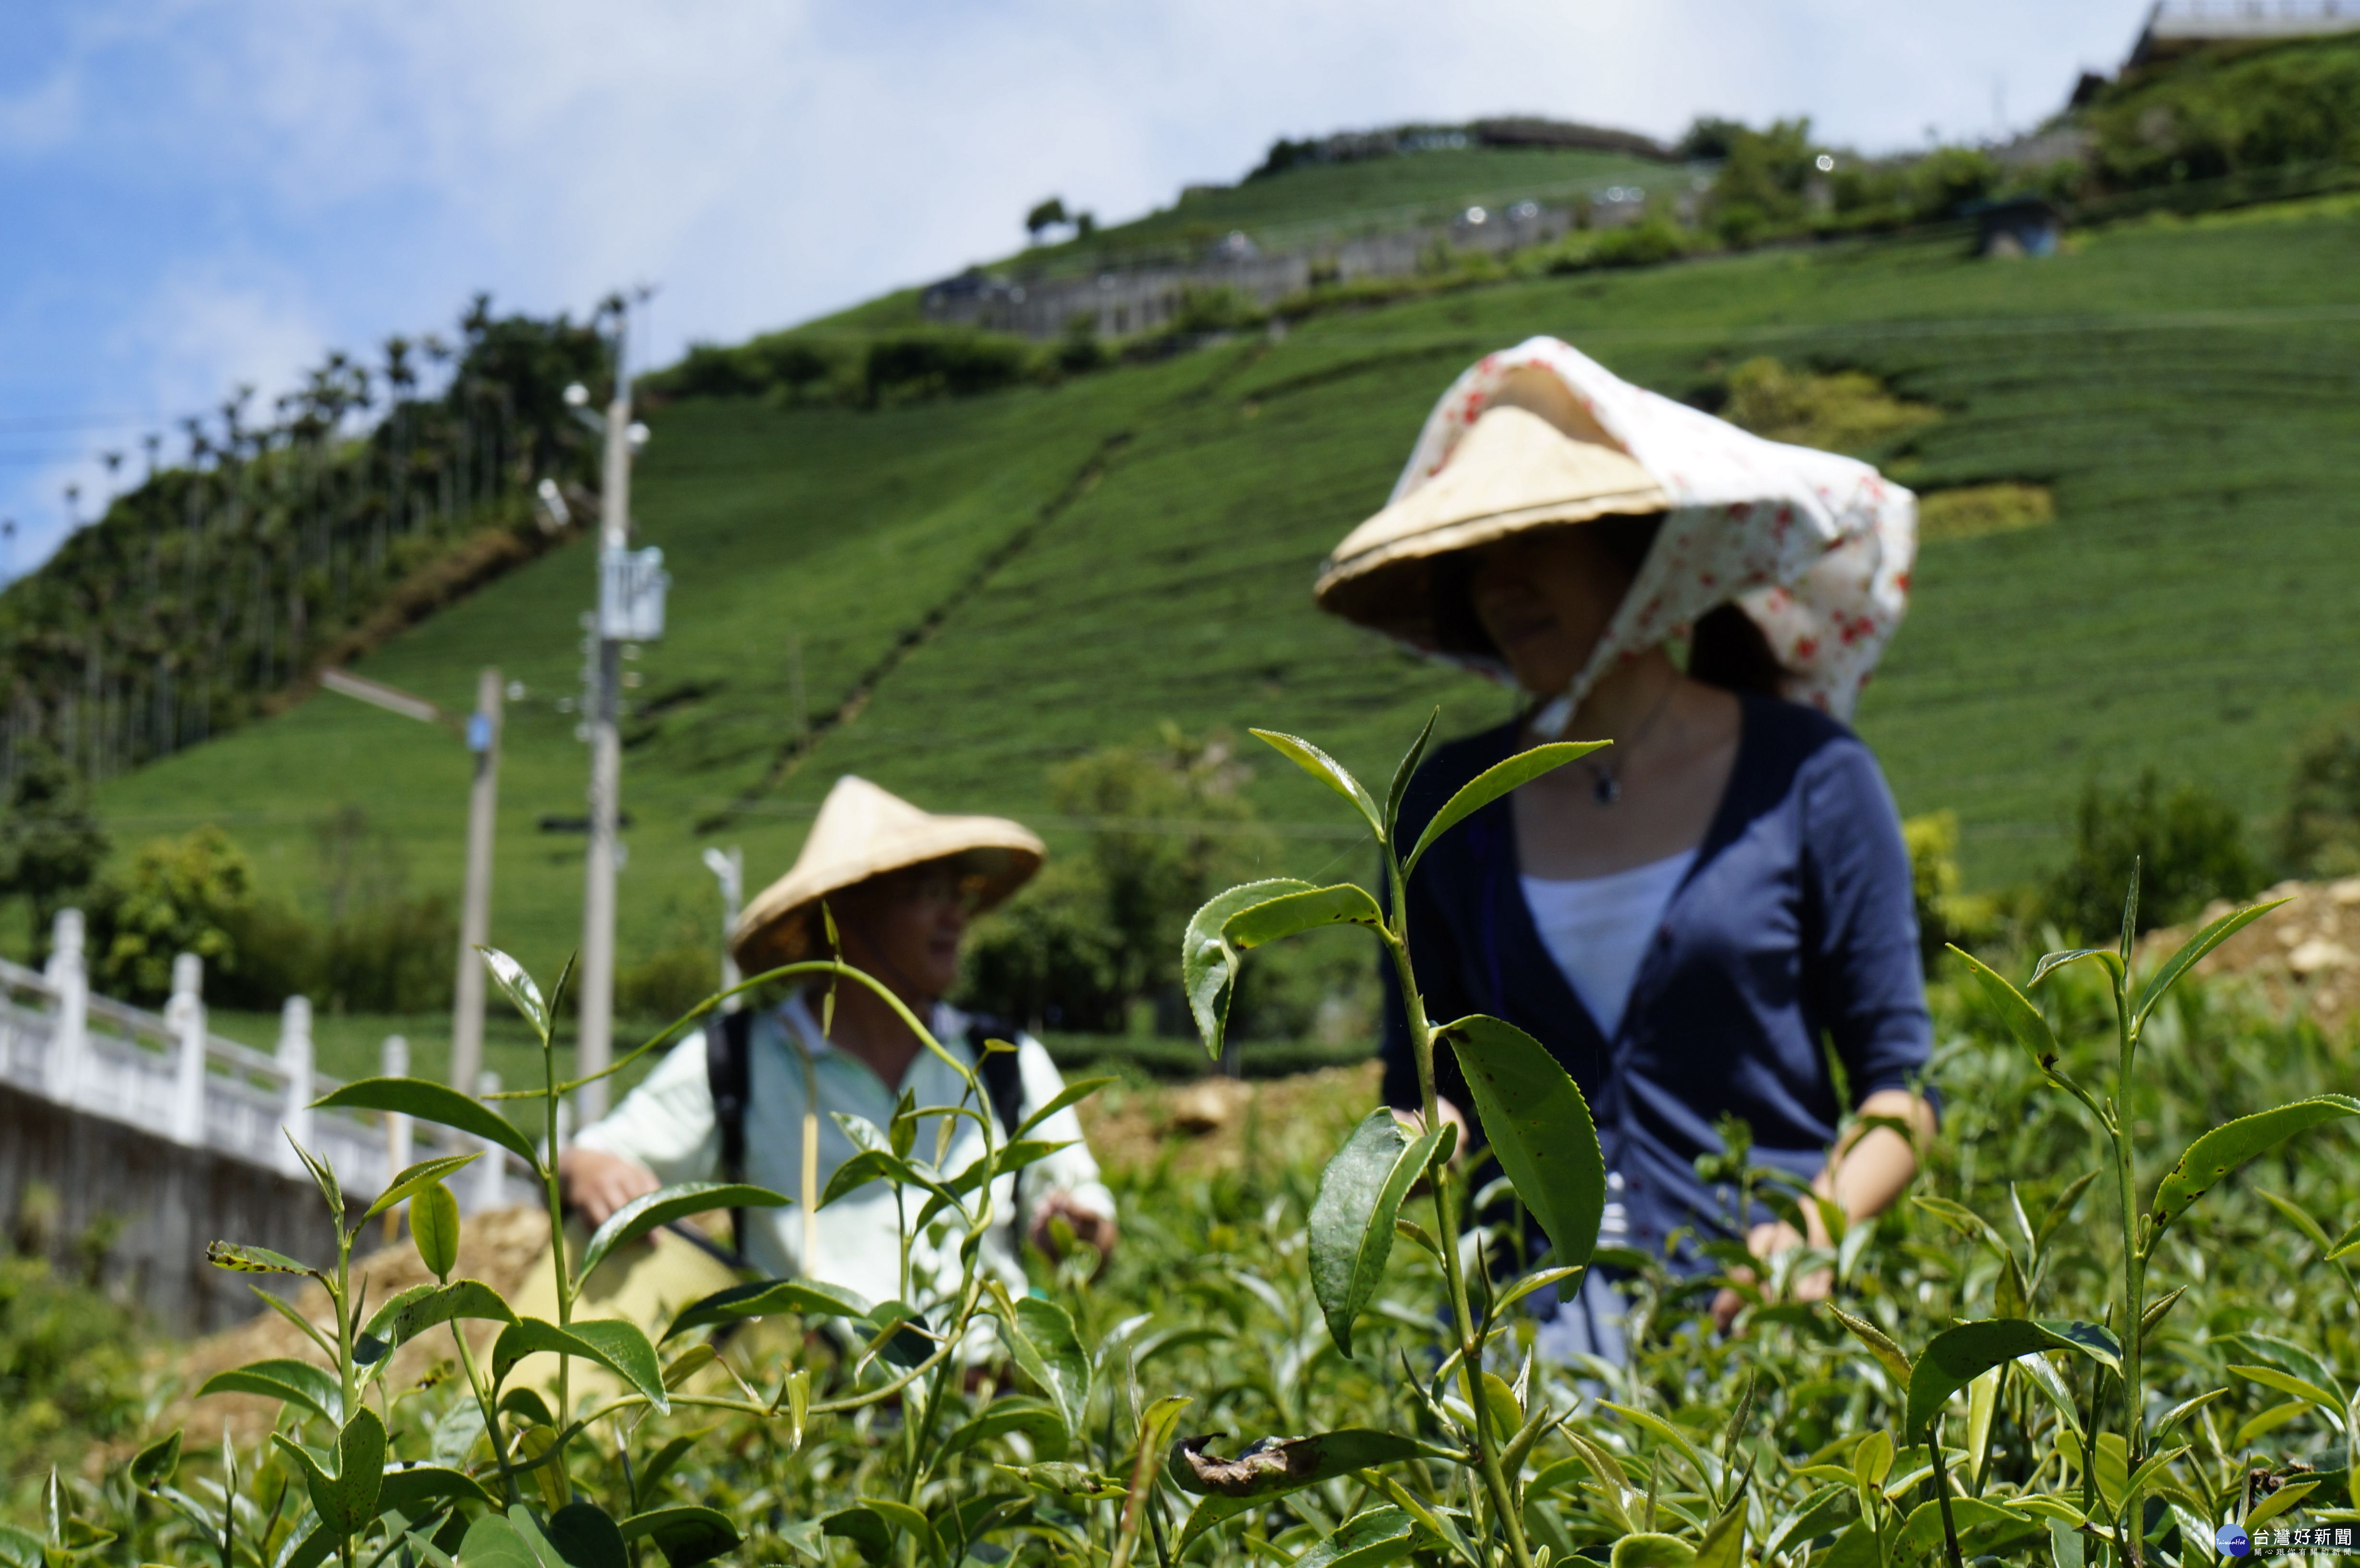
(195, 193)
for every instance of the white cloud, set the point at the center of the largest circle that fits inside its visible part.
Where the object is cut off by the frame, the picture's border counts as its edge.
(763, 160)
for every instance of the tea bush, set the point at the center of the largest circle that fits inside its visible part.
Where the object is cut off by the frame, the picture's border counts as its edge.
(2189, 843)
(1263, 1376)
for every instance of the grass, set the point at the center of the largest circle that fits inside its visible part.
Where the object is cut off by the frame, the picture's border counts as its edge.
(982, 588)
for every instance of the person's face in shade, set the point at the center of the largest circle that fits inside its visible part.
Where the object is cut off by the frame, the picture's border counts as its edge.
(1545, 598)
(905, 927)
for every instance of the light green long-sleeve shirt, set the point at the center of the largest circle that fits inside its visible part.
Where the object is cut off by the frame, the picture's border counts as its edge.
(667, 1124)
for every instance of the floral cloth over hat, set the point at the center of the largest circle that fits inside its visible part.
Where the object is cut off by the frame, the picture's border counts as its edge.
(1815, 547)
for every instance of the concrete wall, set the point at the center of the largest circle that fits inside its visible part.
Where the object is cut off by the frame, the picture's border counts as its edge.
(167, 1201)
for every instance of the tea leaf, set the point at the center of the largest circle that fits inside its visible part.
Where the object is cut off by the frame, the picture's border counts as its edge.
(2194, 949)
(764, 1297)
(2279, 1502)
(1039, 1423)
(1954, 1357)
(1040, 1339)
(1208, 964)
(685, 1535)
(618, 1346)
(585, 1536)
(345, 1498)
(512, 978)
(2023, 1020)
(1360, 1192)
(1370, 1538)
(1071, 1093)
(665, 1204)
(430, 1101)
(864, 1529)
(153, 1465)
(2298, 1218)
(412, 1312)
(2230, 1145)
(417, 1177)
(243, 1259)
(1985, 1530)
(2055, 960)
(1346, 903)
(492, 1541)
(1539, 1128)
(1405, 771)
(1651, 1548)
(1273, 1466)
(408, 1486)
(323, 1176)
(434, 1229)
(1489, 785)
(2287, 1383)
(1326, 769)
(285, 1380)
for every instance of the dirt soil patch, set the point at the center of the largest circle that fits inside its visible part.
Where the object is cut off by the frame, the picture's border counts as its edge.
(1209, 1125)
(2303, 955)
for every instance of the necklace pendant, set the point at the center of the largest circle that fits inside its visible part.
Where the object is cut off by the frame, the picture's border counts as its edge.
(1607, 790)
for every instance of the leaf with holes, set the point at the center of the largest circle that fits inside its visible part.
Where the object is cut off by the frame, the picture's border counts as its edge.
(2230, 1145)
(1290, 914)
(241, 1259)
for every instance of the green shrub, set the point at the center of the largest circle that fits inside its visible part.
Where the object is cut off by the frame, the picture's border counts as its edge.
(2189, 844)
(191, 893)
(2231, 111)
(959, 364)
(70, 1372)
(2320, 834)
(50, 846)
(668, 982)
(1653, 239)
(1099, 933)
(1945, 913)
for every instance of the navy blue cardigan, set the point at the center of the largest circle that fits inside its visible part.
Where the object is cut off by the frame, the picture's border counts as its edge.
(1795, 923)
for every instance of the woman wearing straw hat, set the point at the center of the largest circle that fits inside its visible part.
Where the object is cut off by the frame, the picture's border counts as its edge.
(1684, 917)
(900, 885)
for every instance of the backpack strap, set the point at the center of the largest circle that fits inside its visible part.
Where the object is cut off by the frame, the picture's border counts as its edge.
(1003, 1081)
(728, 1057)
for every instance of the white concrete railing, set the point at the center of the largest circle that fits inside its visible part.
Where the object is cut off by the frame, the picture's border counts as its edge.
(169, 1075)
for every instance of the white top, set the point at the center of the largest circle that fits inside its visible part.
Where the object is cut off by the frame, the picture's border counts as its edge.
(1598, 929)
(666, 1125)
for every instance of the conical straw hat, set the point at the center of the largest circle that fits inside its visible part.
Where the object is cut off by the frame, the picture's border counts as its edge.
(863, 831)
(1517, 470)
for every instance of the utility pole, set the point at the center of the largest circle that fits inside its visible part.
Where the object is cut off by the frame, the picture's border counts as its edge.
(475, 911)
(482, 732)
(630, 607)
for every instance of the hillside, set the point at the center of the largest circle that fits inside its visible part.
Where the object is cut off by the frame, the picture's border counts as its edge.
(982, 587)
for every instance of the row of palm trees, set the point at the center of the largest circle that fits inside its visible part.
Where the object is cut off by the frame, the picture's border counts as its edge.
(215, 581)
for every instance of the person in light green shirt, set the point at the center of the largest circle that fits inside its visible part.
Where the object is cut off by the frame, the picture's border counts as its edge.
(900, 885)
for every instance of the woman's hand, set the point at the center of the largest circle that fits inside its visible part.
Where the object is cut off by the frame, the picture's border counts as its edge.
(596, 1183)
(1770, 1242)
(1092, 1229)
(1864, 1176)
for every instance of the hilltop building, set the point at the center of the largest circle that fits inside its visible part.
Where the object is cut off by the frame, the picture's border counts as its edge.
(2176, 27)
